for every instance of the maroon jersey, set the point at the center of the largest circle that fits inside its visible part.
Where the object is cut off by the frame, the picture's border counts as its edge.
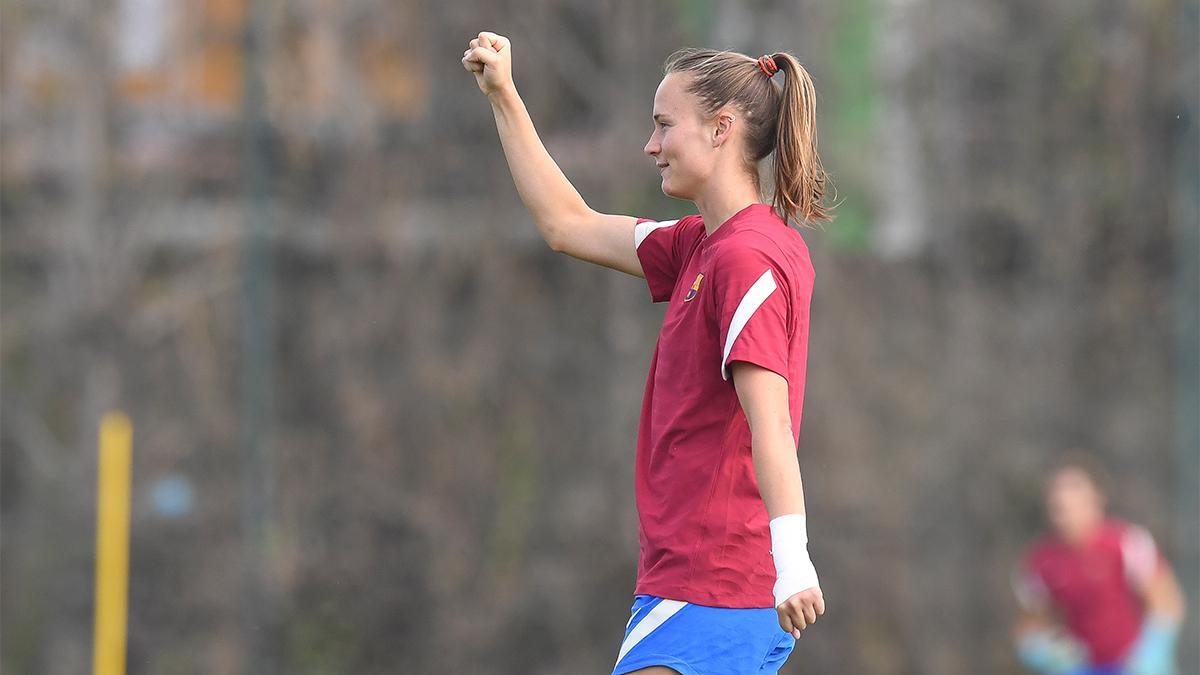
(1094, 588)
(741, 294)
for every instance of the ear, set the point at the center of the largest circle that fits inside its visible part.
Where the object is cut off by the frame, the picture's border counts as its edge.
(723, 129)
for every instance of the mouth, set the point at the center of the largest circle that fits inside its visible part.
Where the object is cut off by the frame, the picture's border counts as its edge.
(662, 166)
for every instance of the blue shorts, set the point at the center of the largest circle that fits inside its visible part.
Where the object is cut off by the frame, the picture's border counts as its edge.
(699, 640)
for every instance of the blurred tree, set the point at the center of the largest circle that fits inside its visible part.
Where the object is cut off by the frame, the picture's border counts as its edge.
(454, 410)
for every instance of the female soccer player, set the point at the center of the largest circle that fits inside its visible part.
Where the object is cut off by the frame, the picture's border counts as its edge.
(724, 559)
(1097, 596)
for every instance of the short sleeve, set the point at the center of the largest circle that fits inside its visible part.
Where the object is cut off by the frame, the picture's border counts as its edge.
(1139, 556)
(658, 248)
(1030, 590)
(753, 309)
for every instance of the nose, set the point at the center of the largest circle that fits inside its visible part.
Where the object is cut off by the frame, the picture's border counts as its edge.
(652, 147)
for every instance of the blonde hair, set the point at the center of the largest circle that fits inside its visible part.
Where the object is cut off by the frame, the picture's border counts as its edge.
(779, 119)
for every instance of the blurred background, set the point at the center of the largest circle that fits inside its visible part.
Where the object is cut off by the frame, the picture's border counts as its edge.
(379, 427)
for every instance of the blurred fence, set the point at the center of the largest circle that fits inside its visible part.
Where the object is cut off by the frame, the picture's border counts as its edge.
(380, 427)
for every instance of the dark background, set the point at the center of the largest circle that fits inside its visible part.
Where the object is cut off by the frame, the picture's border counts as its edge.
(379, 427)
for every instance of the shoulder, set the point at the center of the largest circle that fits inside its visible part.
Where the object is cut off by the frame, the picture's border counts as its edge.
(1130, 538)
(681, 221)
(1043, 549)
(1117, 526)
(1118, 531)
(685, 226)
(693, 225)
(775, 246)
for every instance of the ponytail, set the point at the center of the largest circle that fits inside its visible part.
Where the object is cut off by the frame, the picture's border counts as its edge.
(799, 176)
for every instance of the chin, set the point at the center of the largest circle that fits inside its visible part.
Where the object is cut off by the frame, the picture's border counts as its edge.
(671, 191)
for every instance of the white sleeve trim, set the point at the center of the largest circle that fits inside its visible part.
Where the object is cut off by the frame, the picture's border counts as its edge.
(643, 230)
(751, 301)
(1140, 556)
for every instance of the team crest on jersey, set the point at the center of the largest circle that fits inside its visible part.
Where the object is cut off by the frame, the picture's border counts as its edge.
(695, 288)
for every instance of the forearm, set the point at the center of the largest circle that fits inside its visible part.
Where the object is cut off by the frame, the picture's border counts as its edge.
(763, 395)
(546, 192)
(1163, 597)
(777, 471)
(778, 476)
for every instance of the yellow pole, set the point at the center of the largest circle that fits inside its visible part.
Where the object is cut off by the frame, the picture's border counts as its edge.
(112, 545)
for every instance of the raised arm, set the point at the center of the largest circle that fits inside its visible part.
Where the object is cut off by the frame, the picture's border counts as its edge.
(564, 219)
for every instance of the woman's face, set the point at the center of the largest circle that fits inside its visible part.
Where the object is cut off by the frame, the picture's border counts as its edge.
(680, 143)
(1073, 503)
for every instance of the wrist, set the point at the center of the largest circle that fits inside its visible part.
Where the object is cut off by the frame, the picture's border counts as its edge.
(1158, 633)
(794, 571)
(1160, 622)
(1047, 653)
(503, 95)
(1154, 650)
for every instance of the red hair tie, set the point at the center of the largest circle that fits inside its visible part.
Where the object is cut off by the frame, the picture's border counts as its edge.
(767, 65)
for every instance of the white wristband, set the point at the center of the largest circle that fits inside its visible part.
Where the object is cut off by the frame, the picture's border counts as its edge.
(794, 572)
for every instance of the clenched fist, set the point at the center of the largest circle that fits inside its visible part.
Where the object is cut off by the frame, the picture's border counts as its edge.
(489, 57)
(801, 610)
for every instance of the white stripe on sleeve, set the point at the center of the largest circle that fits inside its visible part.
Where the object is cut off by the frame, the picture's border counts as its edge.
(643, 230)
(751, 301)
(1140, 556)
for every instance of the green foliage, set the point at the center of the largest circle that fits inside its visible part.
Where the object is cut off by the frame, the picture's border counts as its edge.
(320, 640)
(849, 123)
(696, 17)
(851, 229)
(517, 488)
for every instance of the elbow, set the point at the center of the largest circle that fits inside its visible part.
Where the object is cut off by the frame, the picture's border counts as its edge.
(778, 429)
(1164, 598)
(552, 234)
(776, 424)
(1176, 608)
(561, 229)
(555, 243)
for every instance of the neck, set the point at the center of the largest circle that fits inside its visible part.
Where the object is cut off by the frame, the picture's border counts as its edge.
(1082, 533)
(717, 205)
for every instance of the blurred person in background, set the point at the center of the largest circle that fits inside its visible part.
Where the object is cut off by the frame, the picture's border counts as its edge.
(724, 564)
(1097, 597)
